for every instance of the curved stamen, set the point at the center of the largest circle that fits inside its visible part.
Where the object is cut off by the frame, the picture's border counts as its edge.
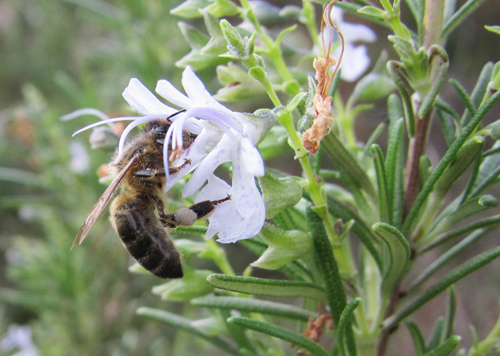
(104, 122)
(217, 117)
(86, 111)
(137, 121)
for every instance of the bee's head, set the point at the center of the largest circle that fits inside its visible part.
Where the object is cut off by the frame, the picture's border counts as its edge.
(158, 129)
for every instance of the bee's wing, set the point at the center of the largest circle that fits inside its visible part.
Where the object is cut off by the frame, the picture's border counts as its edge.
(100, 205)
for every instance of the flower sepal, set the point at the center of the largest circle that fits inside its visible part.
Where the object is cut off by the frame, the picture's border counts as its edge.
(279, 193)
(283, 246)
(222, 8)
(238, 85)
(190, 8)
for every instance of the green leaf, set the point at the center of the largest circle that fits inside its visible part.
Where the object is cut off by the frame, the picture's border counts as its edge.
(483, 182)
(468, 208)
(238, 85)
(479, 91)
(223, 8)
(199, 61)
(445, 161)
(399, 254)
(396, 71)
(373, 138)
(394, 167)
(450, 313)
(275, 142)
(491, 221)
(394, 109)
(463, 159)
(190, 8)
(486, 171)
(436, 334)
(459, 16)
(384, 204)
(345, 326)
(353, 9)
(327, 266)
(184, 324)
(374, 12)
(193, 37)
(297, 99)
(445, 348)
(464, 96)
(448, 125)
(343, 158)
(494, 29)
(455, 275)
(192, 285)
(238, 334)
(437, 81)
(239, 48)
(295, 270)
(360, 228)
(279, 193)
(417, 337)
(248, 305)
(262, 286)
(280, 333)
(329, 271)
(447, 257)
(307, 119)
(284, 246)
(494, 130)
(291, 219)
(217, 43)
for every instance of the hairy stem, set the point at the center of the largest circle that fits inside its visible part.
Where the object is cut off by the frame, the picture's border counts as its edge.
(433, 22)
(416, 149)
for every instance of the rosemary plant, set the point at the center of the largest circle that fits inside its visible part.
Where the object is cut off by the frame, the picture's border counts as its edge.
(347, 231)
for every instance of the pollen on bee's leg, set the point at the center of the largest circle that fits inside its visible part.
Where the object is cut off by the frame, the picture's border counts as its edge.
(185, 216)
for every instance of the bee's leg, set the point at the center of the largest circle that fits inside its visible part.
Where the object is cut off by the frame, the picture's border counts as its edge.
(187, 216)
(152, 173)
(167, 220)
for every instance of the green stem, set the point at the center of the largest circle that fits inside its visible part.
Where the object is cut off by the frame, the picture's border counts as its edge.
(433, 22)
(310, 22)
(270, 91)
(313, 187)
(274, 51)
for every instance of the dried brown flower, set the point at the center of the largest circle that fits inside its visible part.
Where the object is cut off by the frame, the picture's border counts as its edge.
(322, 102)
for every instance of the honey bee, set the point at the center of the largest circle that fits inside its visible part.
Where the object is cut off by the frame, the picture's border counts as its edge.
(137, 213)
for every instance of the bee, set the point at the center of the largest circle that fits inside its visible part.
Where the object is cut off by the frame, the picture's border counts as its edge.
(137, 213)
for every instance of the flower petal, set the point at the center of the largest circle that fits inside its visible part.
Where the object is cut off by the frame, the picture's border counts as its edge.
(195, 153)
(172, 95)
(196, 91)
(252, 159)
(220, 154)
(141, 99)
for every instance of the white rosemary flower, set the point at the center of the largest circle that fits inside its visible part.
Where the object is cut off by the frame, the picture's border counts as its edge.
(222, 136)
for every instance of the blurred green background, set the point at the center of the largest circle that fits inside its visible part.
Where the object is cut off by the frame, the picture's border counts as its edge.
(59, 56)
